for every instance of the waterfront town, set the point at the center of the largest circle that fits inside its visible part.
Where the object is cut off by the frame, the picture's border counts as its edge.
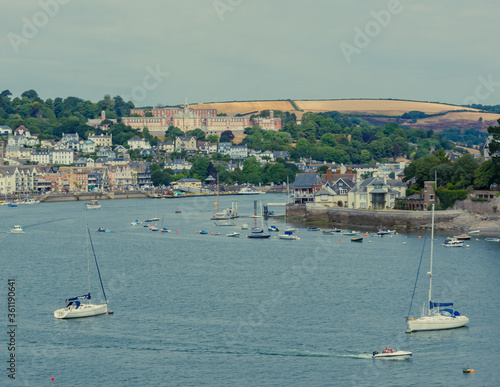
(95, 164)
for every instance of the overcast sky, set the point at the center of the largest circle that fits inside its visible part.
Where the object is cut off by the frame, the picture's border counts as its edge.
(159, 52)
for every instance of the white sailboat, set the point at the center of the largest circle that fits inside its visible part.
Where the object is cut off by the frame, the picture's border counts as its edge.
(439, 315)
(81, 306)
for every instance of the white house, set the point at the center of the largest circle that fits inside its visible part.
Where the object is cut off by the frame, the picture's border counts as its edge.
(87, 146)
(5, 130)
(138, 143)
(63, 156)
(40, 157)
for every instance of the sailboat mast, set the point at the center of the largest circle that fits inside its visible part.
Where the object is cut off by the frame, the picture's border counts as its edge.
(97, 266)
(432, 255)
(217, 192)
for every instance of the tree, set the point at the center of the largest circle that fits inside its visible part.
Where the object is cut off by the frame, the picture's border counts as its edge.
(198, 133)
(485, 175)
(199, 169)
(172, 132)
(420, 170)
(213, 138)
(226, 136)
(494, 145)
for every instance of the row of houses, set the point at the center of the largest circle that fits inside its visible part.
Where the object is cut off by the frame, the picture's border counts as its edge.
(347, 191)
(19, 180)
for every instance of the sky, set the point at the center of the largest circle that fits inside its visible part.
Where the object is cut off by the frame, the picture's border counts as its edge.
(161, 52)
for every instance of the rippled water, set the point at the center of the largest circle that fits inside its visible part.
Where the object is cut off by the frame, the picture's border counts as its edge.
(208, 310)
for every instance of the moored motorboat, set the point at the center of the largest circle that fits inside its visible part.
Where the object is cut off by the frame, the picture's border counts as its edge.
(313, 229)
(390, 353)
(492, 239)
(233, 234)
(135, 222)
(93, 205)
(453, 242)
(332, 231)
(474, 232)
(462, 237)
(289, 236)
(359, 239)
(350, 232)
(102, 229)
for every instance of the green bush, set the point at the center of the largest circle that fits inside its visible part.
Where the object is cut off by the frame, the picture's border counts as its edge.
(448, 197)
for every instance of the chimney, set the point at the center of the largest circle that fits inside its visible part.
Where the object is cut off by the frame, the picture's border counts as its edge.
(329, 174)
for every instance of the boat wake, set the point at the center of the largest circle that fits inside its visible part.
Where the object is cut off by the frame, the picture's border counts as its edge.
(297, 353)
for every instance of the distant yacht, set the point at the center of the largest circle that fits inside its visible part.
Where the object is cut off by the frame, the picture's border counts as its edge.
(248, 191)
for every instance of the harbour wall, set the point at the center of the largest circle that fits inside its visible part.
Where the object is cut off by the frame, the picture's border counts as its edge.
(402, 221)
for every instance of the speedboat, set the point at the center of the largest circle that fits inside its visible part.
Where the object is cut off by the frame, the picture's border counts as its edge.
(492, 239)
(474, 232)
(233, 234)
(313, 229)
(273, 228)
(244, 226)
(153, 228)
(389, 353)
(17, 230)
(178, 211)
(102, 229)
(203, 232)
(135, 222)
(93, 205)
(164, 229)
(453, 242)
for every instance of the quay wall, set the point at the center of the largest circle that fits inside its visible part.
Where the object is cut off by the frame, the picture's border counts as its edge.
(402, 221)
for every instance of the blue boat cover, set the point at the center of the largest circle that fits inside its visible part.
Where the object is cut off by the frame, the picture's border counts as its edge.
(85, 297)
(439, 305)
(288, 233)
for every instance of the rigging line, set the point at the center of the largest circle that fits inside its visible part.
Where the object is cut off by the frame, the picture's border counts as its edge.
(419, 265)
(97, 265)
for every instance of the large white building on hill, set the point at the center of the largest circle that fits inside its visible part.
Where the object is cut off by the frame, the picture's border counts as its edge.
(189, 119)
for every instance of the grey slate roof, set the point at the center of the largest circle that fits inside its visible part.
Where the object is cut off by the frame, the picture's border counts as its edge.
(306, 180)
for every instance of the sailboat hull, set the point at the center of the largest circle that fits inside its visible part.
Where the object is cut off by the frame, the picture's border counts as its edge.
(437, 322)
(85, 310)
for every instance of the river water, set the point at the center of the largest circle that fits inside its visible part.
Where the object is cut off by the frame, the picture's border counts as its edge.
(207, 310)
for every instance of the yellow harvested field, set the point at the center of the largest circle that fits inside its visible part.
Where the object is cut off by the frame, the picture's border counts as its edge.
(376, 106)
(232, 108)
(488, 119)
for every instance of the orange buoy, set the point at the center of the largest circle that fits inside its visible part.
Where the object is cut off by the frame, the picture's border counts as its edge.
(419, 237)
(340, 240)
(196, 231)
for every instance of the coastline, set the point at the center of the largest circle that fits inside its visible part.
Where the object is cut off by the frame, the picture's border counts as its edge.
(454, 220)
